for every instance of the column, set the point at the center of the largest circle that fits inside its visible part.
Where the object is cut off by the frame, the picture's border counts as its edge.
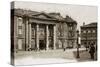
(54, 36)
(29, 35)
(47, 34)
(37, 36)
(26, 35)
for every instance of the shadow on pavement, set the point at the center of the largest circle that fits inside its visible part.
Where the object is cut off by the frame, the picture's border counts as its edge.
(84, 56)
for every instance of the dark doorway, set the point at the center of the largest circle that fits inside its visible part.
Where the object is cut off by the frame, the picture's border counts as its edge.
(42, 45)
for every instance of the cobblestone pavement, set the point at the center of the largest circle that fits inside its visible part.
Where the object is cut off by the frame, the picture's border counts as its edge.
(51, 56)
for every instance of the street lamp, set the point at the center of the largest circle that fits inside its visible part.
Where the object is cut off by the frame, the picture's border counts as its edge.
(77, 44)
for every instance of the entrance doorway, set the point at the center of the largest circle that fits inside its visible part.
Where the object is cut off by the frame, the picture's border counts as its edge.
(42, 45)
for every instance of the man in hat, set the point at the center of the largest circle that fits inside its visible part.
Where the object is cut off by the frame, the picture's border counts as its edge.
(92, 51)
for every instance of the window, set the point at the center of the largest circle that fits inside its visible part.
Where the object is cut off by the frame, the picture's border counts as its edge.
(19, 43)
(70, 28)
(20, 21)
(89, 31)
(33, 32)
(19, 31)
(41, 32)
(50, 32)
(84, 31)
(69, 34)
(58, 33)
(93, 31)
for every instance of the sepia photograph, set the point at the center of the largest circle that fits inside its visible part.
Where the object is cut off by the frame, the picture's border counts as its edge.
(50, 33)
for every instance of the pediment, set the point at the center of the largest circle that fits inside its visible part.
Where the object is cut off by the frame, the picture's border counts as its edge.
(43, 16)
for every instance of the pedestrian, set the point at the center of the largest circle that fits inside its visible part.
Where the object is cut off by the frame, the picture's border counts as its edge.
(92, 51)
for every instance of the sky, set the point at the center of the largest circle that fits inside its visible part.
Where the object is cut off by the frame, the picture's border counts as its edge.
(80, 13)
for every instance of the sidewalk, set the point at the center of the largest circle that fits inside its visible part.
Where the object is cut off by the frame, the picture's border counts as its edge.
(51, 56)
(31, 61)
(46, 53)
(85, 56)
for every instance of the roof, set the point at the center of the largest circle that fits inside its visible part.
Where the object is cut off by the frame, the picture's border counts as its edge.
(43, 15)
(21, 12)
(70, 20)
(93, 24)
(56, 16)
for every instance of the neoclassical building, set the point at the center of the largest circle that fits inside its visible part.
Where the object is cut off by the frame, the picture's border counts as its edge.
(41, 31)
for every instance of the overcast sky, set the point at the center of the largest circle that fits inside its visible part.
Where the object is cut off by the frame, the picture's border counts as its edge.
(79, 13)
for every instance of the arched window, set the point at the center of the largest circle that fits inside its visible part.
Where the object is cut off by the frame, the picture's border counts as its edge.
(20, 21)
(70, 26)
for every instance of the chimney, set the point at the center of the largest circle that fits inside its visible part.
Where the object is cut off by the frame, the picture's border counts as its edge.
(83, 23)
(58, 13)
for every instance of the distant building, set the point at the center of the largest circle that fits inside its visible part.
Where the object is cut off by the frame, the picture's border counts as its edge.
(40, 30)
(89, 34)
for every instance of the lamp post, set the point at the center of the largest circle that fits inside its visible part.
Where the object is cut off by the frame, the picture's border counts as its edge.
(77, 44)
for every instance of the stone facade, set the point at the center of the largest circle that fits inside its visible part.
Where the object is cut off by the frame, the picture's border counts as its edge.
(32, 30)
(89, 34)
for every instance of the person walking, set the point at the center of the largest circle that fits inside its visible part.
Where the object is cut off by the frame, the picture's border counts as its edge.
(92, 51)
